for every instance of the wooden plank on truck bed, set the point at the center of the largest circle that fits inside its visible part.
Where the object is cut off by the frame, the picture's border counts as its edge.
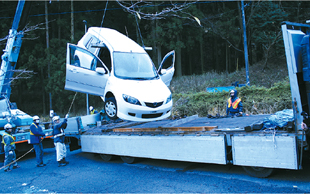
(161, 129)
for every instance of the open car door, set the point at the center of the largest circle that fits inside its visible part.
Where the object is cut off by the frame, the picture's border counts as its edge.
(85, 72)
(166, 68)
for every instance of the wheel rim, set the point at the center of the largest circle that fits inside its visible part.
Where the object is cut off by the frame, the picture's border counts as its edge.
(110, 109)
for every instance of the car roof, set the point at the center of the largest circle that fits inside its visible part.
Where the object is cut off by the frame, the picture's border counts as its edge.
(118, 41)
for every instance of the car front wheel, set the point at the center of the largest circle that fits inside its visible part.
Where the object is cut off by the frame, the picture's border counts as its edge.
(110, 108)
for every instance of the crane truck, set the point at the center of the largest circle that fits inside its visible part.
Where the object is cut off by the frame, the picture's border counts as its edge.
(8, 111)
(239, 141)
(242, 141)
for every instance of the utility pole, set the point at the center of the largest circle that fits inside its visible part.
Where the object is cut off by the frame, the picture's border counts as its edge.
(47, 46)
(87, 105)
(246, 60)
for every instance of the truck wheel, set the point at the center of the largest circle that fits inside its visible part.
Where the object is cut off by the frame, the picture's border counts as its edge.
(110, 108)
(259, 172)
(128, 159)
(107, 157)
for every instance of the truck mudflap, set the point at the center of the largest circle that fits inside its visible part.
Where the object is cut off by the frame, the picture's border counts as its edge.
(269, 151)
(204, 149)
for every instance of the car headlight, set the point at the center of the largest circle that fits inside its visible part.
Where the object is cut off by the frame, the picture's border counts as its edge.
(169, 99)
(131, 99)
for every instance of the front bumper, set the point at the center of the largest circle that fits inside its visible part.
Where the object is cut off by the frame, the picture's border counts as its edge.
(127, 111)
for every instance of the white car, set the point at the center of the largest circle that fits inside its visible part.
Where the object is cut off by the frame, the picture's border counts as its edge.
(108, 64)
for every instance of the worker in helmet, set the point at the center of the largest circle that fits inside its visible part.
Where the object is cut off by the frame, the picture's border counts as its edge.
(36, 135)
(234, 104)
(92, 110)
(9, 148)
(59, 140)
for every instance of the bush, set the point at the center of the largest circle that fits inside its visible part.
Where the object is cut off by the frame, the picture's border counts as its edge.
(256, 100)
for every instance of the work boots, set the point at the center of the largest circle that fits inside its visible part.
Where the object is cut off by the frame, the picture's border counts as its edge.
(62, 162)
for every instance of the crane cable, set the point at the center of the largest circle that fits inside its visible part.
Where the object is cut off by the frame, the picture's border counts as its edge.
(139, 31)
(72, 102)
(105, 9)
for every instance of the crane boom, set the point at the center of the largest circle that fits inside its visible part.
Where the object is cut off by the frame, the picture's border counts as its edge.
(12, 49)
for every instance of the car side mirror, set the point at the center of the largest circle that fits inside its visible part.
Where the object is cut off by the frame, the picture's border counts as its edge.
(163, 71)
(100, 70)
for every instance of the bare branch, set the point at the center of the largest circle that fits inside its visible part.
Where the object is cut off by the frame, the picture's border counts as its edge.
(174, 10)
(22, 74)
(28, 29)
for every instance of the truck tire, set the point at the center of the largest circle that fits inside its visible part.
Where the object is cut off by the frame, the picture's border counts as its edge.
(110, 108)
(259, 172)
(107, 157)
(128, 159)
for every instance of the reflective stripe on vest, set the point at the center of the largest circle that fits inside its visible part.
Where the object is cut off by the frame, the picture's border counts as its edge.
(31, 131)
(12, 143)
(59, 135)
(92, 112)
(235, 104)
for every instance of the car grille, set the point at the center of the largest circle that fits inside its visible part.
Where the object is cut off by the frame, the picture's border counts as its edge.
(153, 104)
(150, 116)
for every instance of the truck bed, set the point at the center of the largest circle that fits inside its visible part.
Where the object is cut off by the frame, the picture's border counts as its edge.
(227, 124)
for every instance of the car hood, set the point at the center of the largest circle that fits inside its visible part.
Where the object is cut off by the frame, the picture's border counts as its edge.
(143, 90)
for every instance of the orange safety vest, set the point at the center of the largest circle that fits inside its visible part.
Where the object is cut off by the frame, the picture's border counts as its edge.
(235, 104)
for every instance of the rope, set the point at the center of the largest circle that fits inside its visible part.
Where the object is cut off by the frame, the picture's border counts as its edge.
(40, 141)
(16, 159)
(72, 102)
(19, 157)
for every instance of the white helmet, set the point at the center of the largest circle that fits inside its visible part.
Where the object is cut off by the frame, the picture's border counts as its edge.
(55, 118)
(91, 108)
(8, 126)
(35, 117)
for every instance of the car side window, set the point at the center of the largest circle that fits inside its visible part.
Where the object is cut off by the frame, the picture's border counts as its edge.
(105, 57)
(83, 58)
(93, 40)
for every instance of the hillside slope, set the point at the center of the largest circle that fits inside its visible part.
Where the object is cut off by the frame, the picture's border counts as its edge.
(269, 91)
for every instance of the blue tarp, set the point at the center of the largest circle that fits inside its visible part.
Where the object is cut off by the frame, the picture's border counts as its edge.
(220, 89)
(279, 119)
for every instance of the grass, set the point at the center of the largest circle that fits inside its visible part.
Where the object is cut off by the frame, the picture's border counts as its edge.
(269, 91)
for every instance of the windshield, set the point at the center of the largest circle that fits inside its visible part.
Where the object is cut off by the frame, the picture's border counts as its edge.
(134, 66)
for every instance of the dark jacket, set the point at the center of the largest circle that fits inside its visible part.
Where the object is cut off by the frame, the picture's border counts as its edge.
(231, 109)
(9, 142)
(36, 133)
(59, 131)
(94, 111)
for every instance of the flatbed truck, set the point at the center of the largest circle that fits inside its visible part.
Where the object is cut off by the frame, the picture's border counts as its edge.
(239, 141)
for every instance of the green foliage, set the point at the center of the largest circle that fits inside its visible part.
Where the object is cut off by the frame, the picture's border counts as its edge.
(276, 72)
(256, 100)
(220, 29)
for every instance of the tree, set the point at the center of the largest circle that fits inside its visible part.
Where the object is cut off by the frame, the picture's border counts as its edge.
(265, 27)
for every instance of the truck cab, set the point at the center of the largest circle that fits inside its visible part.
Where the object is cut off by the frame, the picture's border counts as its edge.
(10, 113)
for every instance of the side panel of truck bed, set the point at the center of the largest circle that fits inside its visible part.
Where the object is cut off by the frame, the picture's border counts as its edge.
(265, 151)
(205, 149)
